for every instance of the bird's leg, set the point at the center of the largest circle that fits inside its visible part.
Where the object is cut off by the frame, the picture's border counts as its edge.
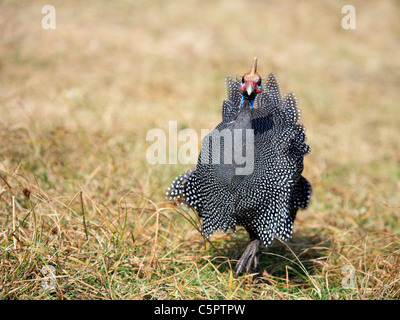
(249, 256)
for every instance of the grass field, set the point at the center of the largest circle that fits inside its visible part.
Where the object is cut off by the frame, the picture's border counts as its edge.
(77, 194)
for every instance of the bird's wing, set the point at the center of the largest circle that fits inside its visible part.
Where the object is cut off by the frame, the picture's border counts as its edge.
(271, 95)
(230, 107)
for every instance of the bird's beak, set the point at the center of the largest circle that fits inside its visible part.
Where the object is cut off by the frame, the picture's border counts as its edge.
(249, 89)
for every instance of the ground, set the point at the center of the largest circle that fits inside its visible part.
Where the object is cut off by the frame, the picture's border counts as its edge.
(80, 200)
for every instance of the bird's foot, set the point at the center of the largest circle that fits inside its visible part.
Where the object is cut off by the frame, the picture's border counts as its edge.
(249, 256)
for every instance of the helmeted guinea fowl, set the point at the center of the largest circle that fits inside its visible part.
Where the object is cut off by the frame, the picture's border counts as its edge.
(249, 167)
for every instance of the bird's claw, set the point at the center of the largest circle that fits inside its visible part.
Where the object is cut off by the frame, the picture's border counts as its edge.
(248, 258)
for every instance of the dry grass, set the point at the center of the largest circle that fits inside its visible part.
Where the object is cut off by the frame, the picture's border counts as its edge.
(77, 193)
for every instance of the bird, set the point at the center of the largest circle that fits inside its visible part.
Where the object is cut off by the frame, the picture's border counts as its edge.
(249, 169)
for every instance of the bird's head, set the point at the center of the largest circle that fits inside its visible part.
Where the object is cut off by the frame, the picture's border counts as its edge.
(251, 82)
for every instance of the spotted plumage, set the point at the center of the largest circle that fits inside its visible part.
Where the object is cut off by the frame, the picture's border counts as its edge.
(264, 201)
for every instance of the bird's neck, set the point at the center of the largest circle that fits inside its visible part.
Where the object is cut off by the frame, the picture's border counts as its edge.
(250, 100)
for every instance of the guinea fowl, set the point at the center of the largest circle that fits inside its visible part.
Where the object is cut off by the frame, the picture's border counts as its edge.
(249, 167)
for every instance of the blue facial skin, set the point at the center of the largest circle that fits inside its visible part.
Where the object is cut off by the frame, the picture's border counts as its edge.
(251, 98)
(242, 101)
